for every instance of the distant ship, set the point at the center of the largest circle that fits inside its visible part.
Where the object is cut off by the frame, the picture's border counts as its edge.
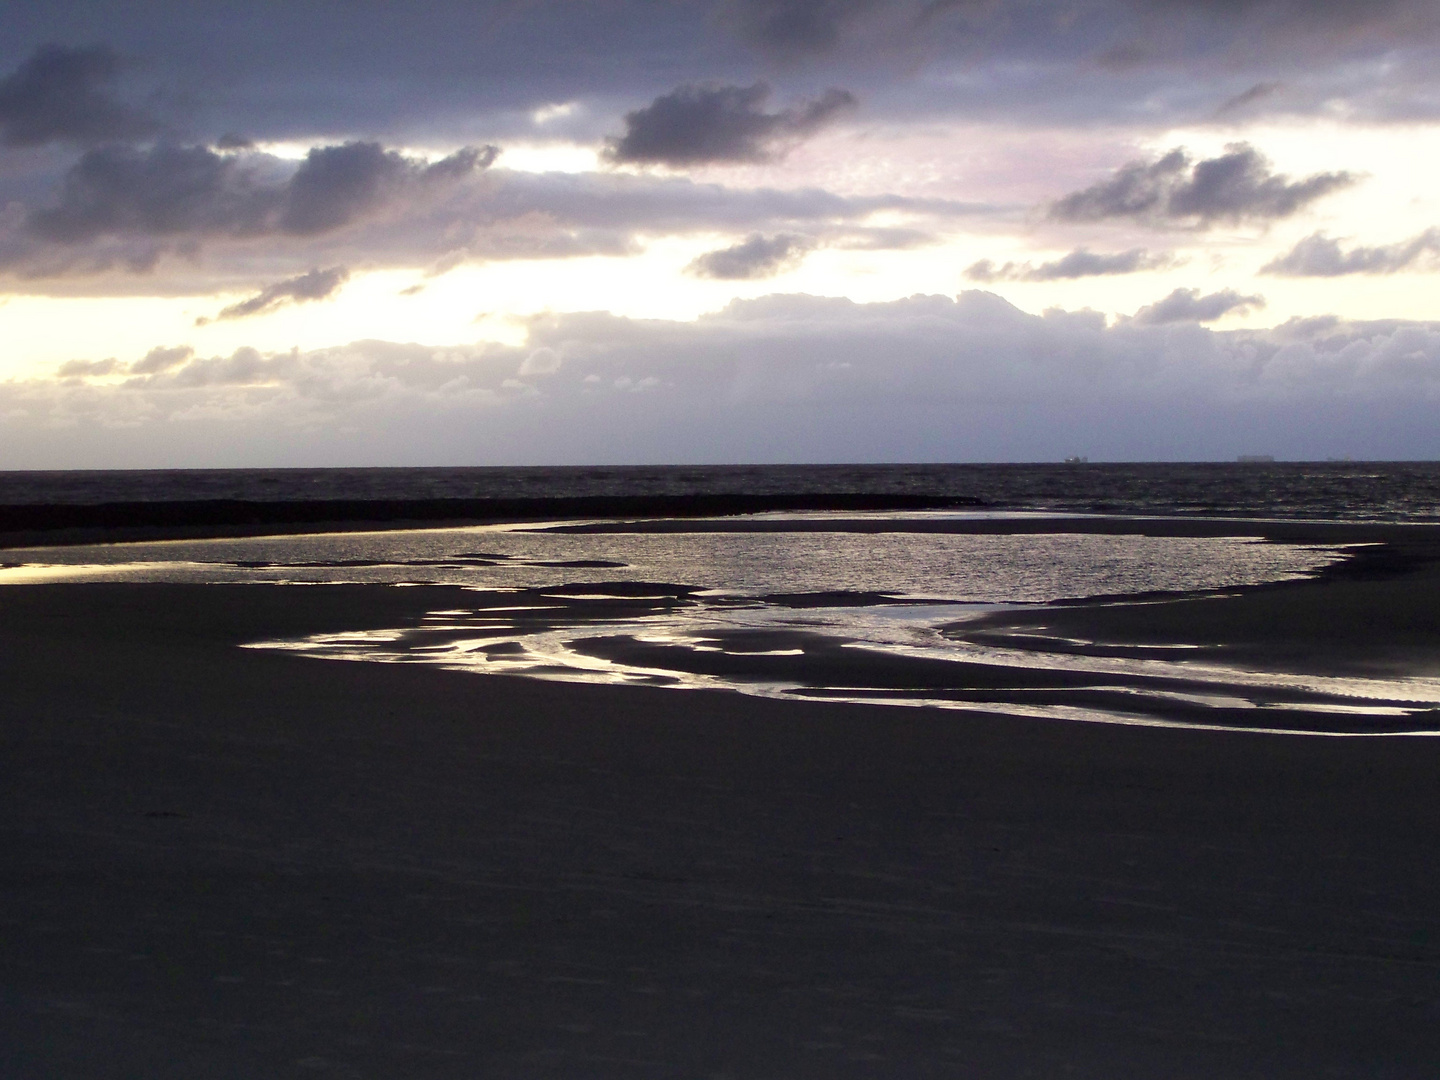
(1077, 460)
(1256, 459)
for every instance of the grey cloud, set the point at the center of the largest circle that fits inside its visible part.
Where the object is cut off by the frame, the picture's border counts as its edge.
(493, 216)
(157, 361)
(315, 285)
(457, 70)
(1243, 100)
(781, 378)
(1327, 12)
(233, 141)
(794, 27)
(161, 359)
(336, 183)
(1237, 186)
(1188, 305)
(1321, 256)
(161, 191)
(167, 191)
(1077, 264)
(694, 125)
(757, 256)
(91, 369)
(62, 94)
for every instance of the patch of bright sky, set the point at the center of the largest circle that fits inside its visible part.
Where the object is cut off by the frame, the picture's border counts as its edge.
(538, 157)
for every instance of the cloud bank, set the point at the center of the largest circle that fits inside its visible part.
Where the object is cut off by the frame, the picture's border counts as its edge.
(794, 378)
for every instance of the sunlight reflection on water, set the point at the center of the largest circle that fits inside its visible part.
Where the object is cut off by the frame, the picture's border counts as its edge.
(821, 614)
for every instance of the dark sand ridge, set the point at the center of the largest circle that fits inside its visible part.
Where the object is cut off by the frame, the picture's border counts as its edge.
(27, 524)
(228, 863)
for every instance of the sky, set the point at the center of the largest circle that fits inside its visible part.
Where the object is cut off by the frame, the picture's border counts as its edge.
(561, 232)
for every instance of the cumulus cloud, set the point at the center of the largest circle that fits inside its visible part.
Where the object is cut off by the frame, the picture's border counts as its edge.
(1321, 256)
(698, 125)
(1077, 264)
(315, 285)
(757, 256)
(168, 191)
(1237, 186)
(64, 94)
(1188, 305)
(779, 378)
(161, 359)
(91, 369)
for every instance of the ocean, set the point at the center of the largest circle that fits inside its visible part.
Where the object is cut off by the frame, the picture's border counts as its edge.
(1346, 491)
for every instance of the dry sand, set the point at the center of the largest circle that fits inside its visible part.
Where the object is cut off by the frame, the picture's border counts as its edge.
(233, 863)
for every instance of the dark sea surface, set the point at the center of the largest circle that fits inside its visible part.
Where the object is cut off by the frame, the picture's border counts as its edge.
(1346, 491)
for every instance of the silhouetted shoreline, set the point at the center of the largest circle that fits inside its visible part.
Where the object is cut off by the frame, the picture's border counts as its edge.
(29, 524)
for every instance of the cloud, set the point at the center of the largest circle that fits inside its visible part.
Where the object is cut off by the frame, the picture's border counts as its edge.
(62, 94)
(161, 359)
(795, 27)
(1235, 187)
(315, 285)
(227, 226)
(1187, 305)
(1243, 100)
(1320, 256)
(698, 125)
(1077, 264)
(91, 369)
(781, 378)
(757, 256)
(192, 191)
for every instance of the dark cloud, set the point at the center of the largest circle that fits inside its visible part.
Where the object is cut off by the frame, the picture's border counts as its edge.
(1187, 305)
(1320, 256)
(62, 94)
(232, 141)
(315, 285)
(1243, 100)
(1344, 13)
(1237, 186)
(160, 191)
(757, 256)
(192, 191)
(795, 27)
(1078, 264)
(461, 70)
(336, 183)
(697, 125)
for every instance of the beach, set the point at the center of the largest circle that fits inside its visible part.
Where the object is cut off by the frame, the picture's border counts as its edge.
(237, 862)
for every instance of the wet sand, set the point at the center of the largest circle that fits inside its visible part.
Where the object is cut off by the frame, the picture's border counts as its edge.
(235, 863)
